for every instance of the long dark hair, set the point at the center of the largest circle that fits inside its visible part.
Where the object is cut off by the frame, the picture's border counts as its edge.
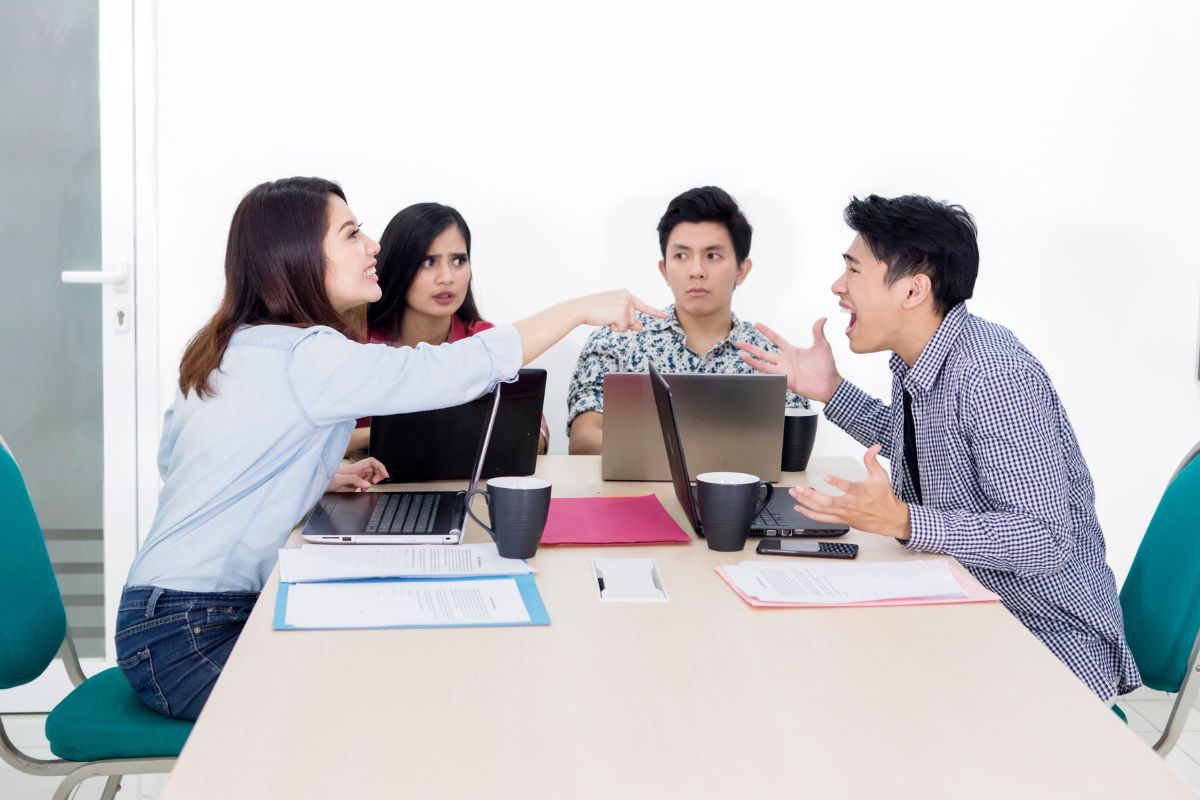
(274, 272)
(402, 248)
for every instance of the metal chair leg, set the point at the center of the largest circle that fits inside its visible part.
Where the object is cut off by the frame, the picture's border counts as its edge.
(68, 786)
(111, 787)
(1184, 703)
(112, 770)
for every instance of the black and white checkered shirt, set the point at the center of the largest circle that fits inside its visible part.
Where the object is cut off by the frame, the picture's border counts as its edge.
(1005, 488)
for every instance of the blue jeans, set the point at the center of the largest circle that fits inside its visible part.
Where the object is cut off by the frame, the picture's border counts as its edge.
(172, 645)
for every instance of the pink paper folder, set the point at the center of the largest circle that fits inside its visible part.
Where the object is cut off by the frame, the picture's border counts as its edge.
(610, 520)
(975, 593)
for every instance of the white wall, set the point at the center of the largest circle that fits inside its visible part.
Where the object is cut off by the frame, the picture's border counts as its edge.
(561, 130)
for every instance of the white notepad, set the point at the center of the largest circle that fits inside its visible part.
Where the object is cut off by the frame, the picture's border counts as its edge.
(628, 579)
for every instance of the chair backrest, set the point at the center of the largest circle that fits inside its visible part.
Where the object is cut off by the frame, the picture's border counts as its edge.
(1161, 595)
(33, 621)
(1195, 451)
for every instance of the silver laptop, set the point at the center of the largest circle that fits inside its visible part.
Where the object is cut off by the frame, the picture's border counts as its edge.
(730, 423)
(397, 517)
(779, 518)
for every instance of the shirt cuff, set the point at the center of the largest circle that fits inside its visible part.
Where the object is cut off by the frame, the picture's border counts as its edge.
(588, 402)
(927, 529)
(847, 404)
(796, 401)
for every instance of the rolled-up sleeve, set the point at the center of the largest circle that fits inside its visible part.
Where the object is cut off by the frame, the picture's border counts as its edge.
(335, 379)
(586, 392)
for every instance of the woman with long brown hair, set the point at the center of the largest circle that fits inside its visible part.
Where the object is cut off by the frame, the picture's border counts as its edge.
(269, 390)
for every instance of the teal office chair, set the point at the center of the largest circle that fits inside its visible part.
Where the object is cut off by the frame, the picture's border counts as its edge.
(101, 728)
(1161, 598)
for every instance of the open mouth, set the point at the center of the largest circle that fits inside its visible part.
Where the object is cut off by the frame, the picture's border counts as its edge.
(853, 318)
(369, 272)
(444, 298)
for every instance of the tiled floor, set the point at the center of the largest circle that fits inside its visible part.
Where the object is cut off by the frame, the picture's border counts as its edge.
(1146, 709)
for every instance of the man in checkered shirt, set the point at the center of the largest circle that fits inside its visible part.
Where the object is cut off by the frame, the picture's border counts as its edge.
(985, 465)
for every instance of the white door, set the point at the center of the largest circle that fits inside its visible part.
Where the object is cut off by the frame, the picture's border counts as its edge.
(68, 407)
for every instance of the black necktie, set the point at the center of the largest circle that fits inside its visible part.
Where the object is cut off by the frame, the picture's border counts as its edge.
(910, 446)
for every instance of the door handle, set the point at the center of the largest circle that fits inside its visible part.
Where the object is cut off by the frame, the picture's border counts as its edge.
(116, 275)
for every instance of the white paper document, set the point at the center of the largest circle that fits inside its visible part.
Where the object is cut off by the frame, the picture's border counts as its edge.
(332, 562)
(387, 604)
(844, 583)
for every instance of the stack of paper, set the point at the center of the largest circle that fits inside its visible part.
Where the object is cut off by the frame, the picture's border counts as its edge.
(405, 604)
(762, 583)
(333, 562)
(404, 586)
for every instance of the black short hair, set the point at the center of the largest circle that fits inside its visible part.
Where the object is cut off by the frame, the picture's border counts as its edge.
(912, 234)
(707, 204)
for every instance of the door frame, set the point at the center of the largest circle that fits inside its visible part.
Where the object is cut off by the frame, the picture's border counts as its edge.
(144, 171)
(119, 349)
(129, 154)
(129, 223)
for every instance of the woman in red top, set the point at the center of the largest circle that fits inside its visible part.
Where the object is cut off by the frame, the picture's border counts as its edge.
(425, 274)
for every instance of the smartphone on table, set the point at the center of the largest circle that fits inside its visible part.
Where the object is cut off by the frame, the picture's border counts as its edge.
(801, 547)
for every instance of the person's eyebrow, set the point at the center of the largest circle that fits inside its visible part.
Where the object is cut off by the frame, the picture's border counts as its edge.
(850, 258)
(347, 222)
(681, 247)
(715, 247)
(459, 255)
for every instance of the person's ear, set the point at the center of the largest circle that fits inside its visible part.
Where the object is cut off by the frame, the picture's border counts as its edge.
(662, 269)
(920, 289)
(742, 271)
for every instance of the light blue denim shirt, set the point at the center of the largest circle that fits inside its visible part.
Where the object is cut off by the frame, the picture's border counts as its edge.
(242, 467)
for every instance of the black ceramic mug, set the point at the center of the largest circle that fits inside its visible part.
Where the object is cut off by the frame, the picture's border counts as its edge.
(799, 433)
(728, 503)
(518, 508)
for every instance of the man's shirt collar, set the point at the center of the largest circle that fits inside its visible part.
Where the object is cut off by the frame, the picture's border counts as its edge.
(929, 364)
(671, 323)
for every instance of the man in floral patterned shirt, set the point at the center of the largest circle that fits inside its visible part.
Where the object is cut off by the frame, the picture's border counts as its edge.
(705, 243)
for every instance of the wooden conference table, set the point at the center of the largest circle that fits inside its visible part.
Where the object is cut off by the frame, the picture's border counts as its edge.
(702, 696)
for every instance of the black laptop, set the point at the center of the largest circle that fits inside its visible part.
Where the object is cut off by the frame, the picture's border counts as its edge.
(400, 517)
(441, 445)
(779, 518)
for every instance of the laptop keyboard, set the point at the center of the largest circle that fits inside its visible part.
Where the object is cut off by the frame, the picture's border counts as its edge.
(405, 512)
